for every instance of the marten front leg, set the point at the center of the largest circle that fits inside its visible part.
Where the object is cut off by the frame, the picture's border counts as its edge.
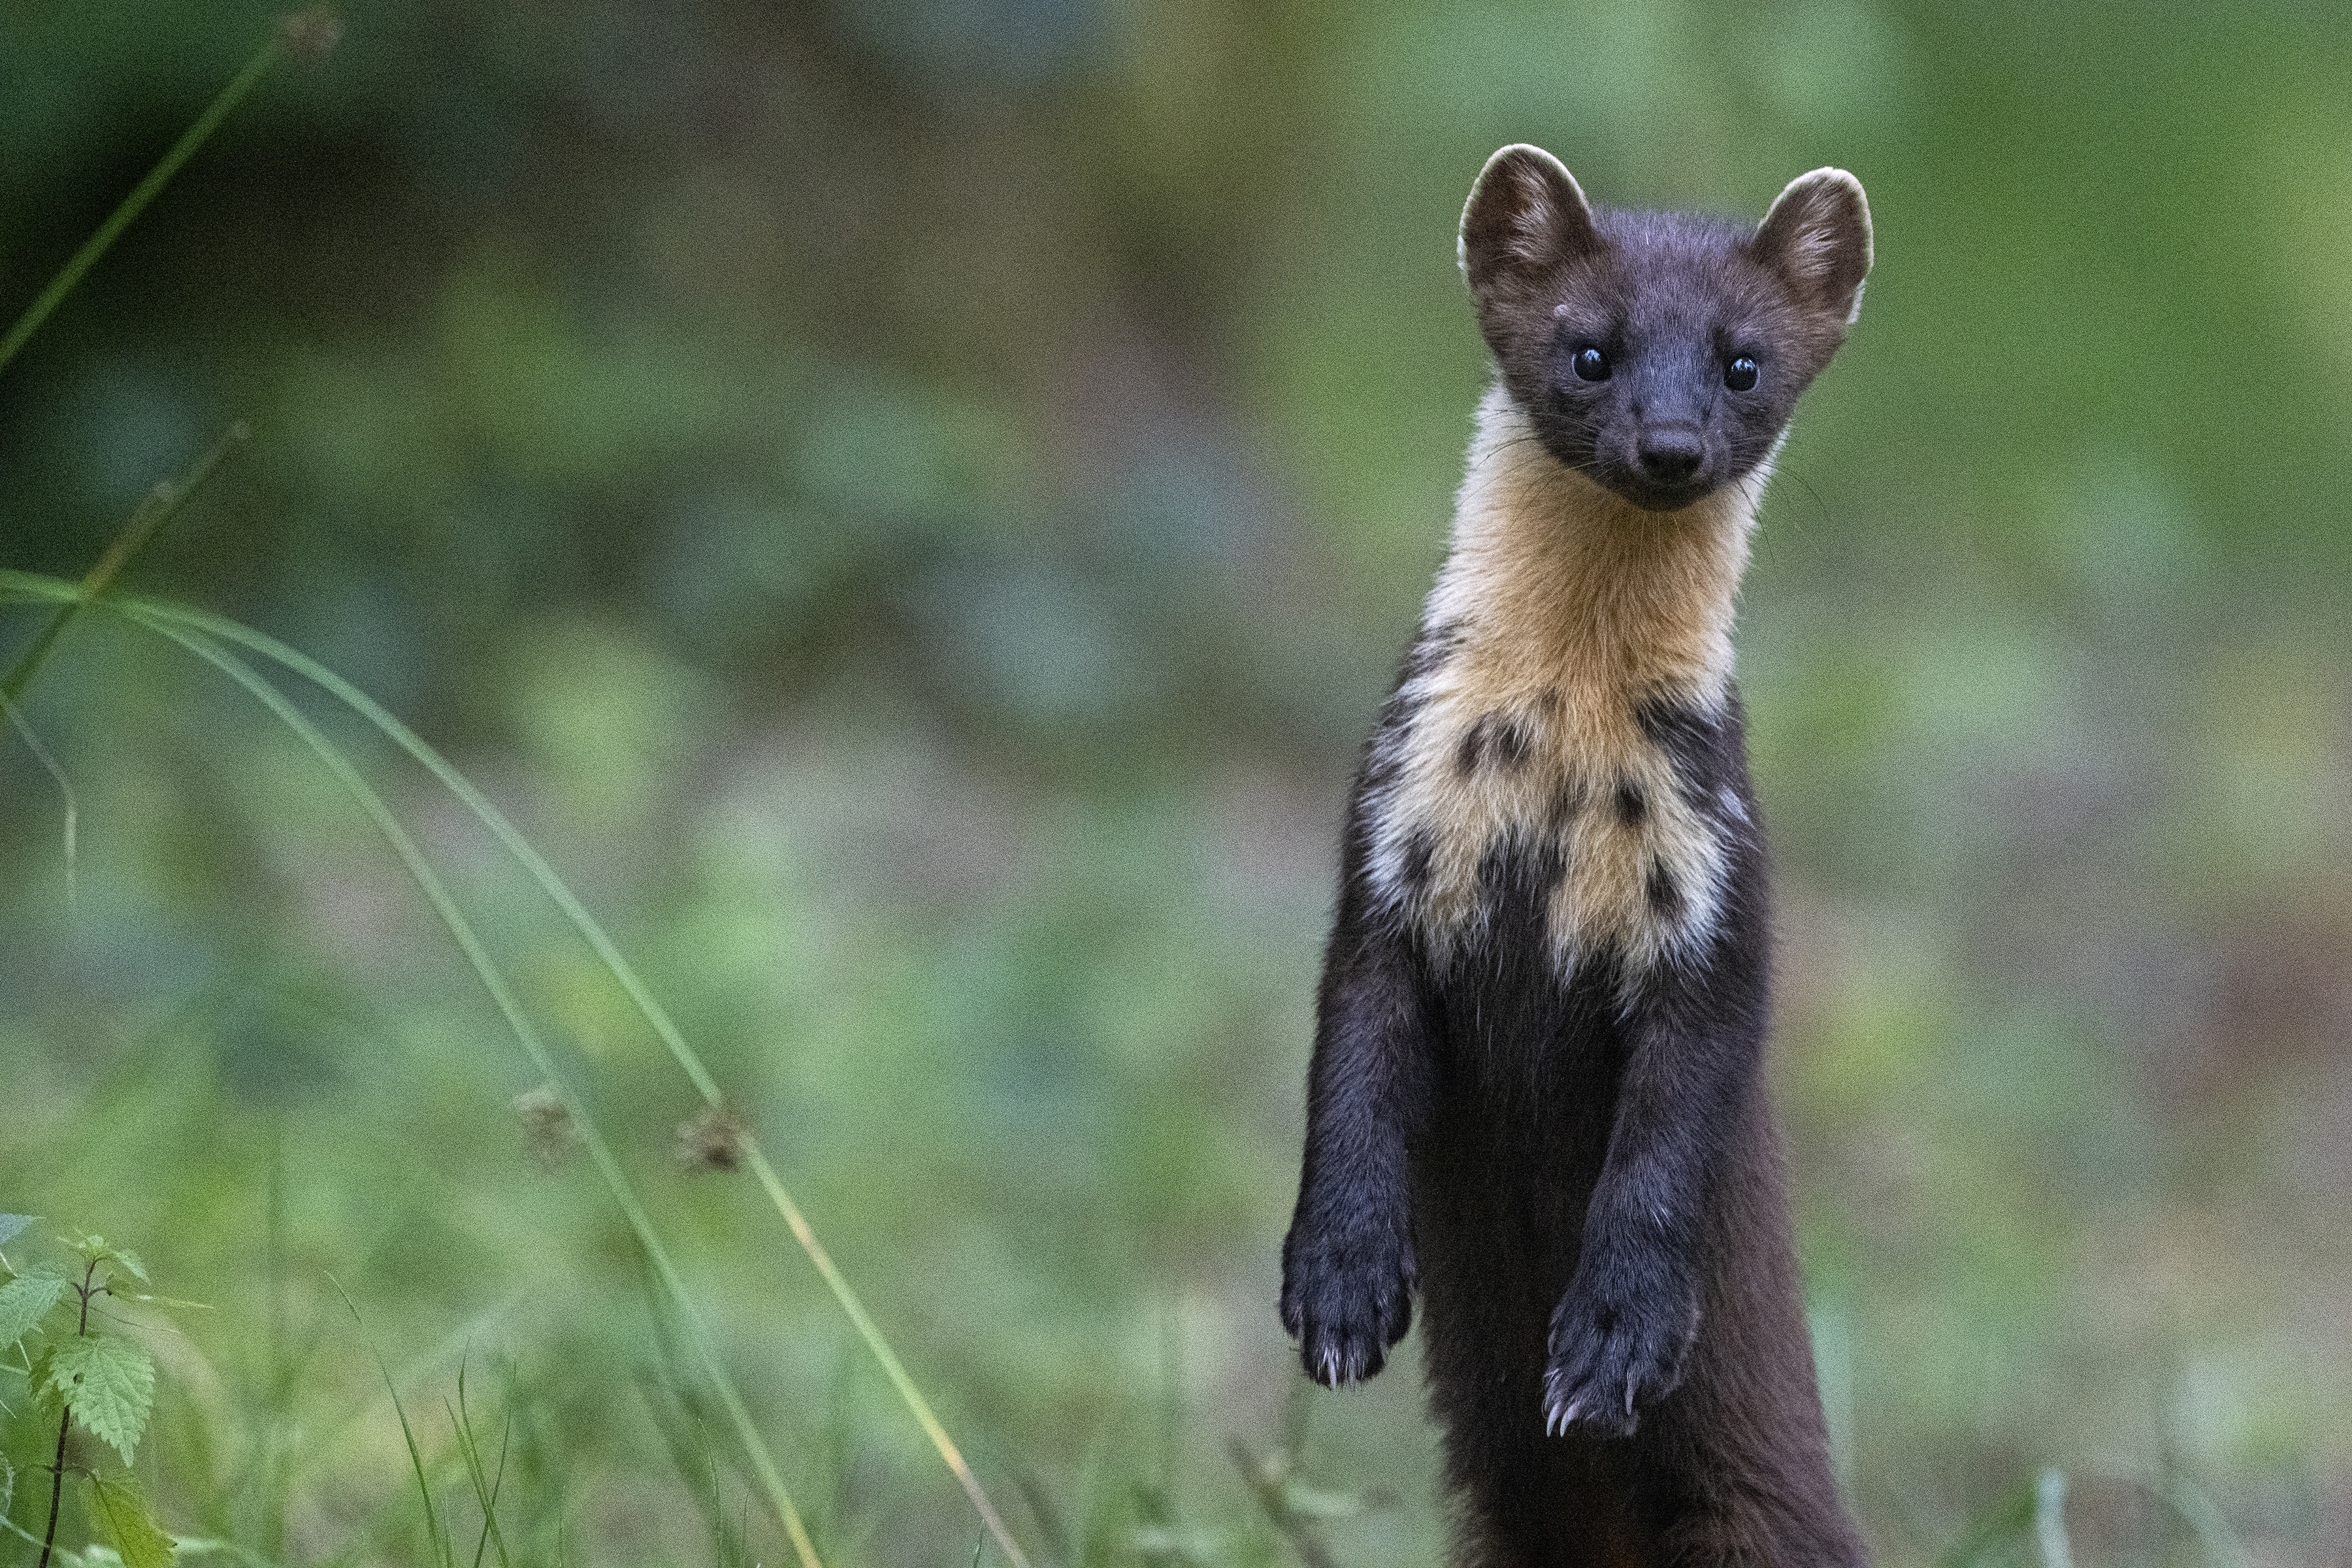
(1348, 1266)
(1631, 1310)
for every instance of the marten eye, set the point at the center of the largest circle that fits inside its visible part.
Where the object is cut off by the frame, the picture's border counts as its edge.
(1741, 374)
(1591, 365)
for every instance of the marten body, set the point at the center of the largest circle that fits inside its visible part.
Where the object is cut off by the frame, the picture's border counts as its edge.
(1536, 1093)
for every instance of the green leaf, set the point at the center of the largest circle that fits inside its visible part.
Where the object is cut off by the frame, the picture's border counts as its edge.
(109, 1382)
(11, 1225)
(121, 1516)
(128, 1262)
(25, 1300)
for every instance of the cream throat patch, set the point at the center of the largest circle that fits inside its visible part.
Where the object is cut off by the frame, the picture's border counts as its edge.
(1562, 613)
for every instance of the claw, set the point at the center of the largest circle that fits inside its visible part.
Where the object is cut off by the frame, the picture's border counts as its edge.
(1630, 1380)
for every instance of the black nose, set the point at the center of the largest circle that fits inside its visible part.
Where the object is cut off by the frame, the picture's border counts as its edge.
(1669, 455)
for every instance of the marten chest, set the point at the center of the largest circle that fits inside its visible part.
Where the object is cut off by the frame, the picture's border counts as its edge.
(1622, 807)
(1564, 747)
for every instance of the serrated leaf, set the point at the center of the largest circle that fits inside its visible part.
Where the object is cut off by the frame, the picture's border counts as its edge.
(26, 1300)
(109, 1382)
(11, 1226)
(123, 1517)
(128, 1262)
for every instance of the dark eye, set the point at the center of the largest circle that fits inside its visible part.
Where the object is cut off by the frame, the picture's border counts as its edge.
(1591, 365)
(1741, 374)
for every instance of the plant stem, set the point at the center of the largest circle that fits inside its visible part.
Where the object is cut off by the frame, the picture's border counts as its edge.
(57, 1486)
(600, 1153)
(57, 1468)
(144, 192)
(157, 510)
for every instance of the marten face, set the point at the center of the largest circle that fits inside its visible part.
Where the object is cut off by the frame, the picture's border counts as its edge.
(1659, 354)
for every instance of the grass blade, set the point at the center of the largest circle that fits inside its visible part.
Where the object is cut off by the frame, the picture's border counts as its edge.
(164, 619)
(161, 617)
(437, 1542)
(152, 513)
(132, 205)
(503, 996)
(57, 775)
(484, 1482)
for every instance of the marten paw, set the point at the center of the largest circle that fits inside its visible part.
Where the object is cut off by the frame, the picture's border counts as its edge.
(1614, 1350)
(1345, 1304)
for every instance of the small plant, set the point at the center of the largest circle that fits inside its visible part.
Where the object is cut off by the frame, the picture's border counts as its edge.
(102, 1382)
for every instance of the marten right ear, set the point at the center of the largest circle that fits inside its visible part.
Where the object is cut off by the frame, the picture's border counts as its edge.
(1526, 217)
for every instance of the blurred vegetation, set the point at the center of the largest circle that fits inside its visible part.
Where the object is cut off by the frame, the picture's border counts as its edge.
(912, 506)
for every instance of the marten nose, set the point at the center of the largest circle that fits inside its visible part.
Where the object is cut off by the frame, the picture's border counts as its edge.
(1671, 456)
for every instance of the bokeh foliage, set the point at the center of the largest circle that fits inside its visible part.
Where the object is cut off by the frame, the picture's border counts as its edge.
(913, 506)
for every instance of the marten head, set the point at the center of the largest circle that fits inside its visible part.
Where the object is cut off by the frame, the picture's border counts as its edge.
(1657, 353)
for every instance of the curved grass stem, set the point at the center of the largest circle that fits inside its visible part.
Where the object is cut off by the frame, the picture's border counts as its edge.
(656, 1018)
(168, 618)
(503, 996)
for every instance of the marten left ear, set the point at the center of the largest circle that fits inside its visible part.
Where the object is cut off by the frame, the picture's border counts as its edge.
(1816, 237)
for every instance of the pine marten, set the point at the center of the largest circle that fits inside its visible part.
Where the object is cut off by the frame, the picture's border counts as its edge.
(1536, 1097)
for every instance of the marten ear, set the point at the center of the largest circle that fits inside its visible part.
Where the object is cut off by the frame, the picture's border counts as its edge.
(1816, 237)
(1526, 216)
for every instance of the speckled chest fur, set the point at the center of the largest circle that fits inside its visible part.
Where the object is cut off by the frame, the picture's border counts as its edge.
(1571, 635)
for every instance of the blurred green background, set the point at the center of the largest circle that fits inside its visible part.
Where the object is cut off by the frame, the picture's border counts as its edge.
(913, 505)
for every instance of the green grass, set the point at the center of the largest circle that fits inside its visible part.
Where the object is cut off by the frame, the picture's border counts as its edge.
(203, 638)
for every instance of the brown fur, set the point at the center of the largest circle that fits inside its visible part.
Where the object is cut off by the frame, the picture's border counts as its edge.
(1568, 607)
